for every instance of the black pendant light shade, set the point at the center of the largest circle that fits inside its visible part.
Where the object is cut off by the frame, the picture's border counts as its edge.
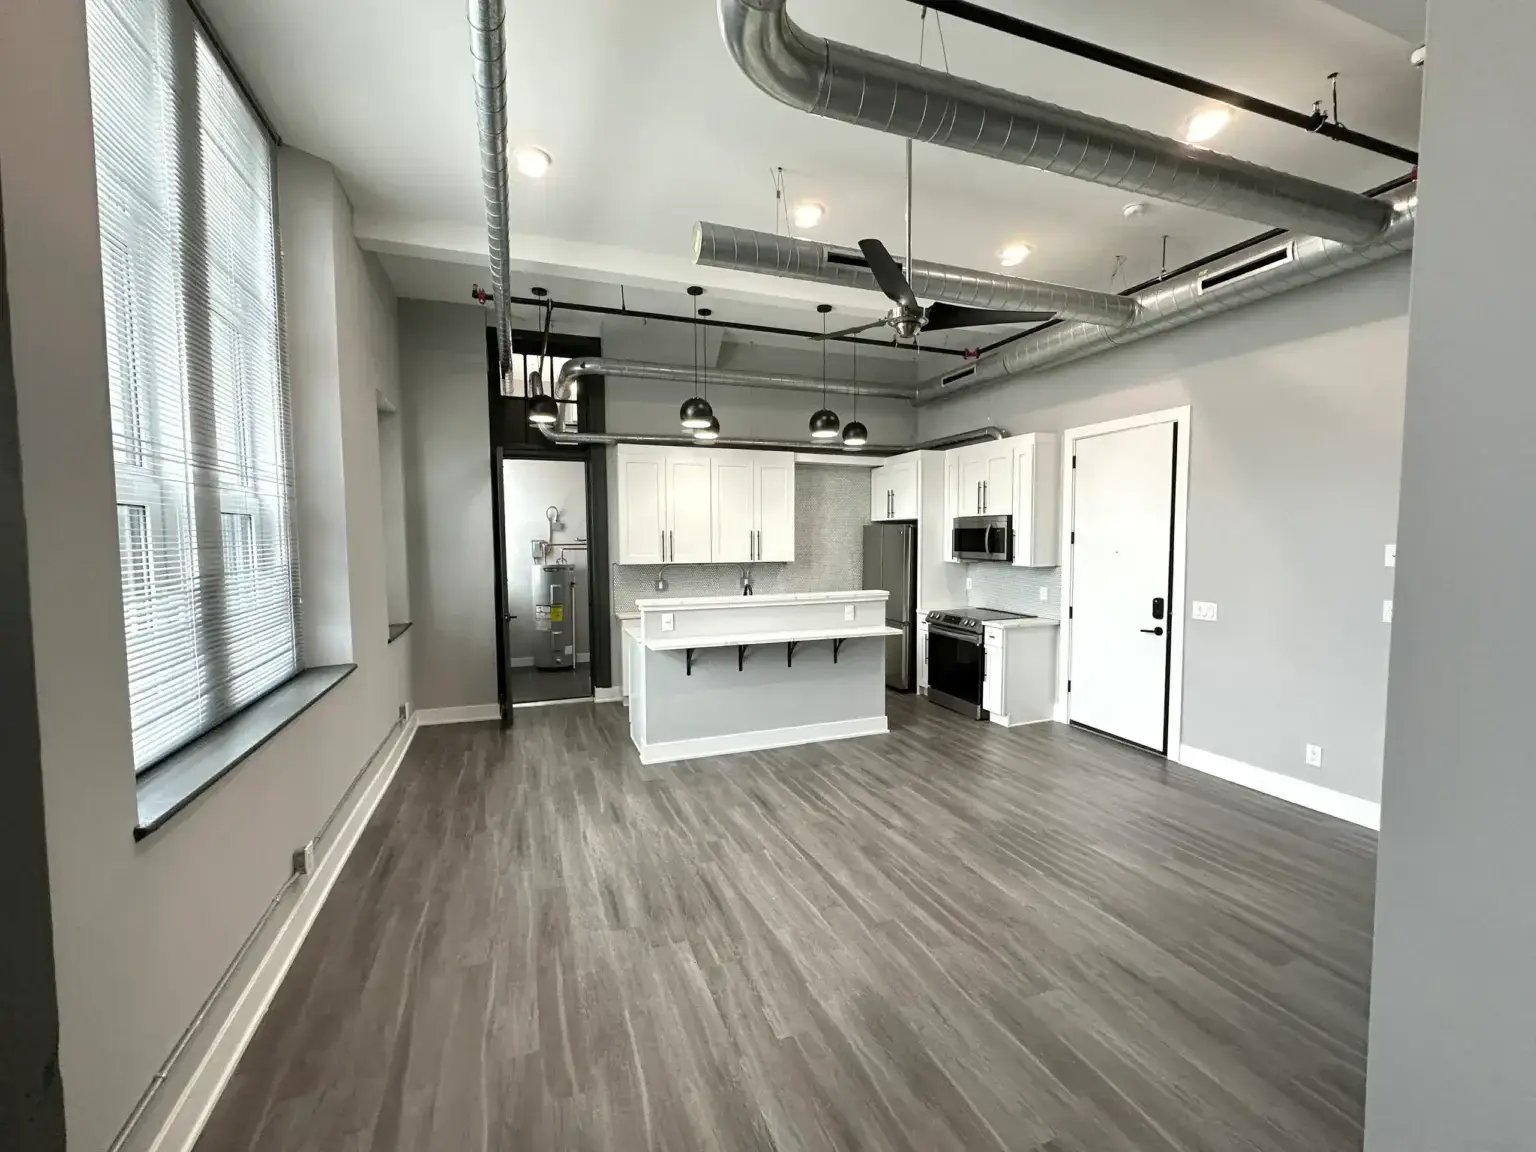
(695, 413)
(824, 421)
(542, 409)
(855, 435)
(710, 431)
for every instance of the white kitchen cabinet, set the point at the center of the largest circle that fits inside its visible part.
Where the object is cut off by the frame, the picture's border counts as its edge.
(1036, 500)
(951, 504)
(893, 489)
(754, 506)
(642, 505)
(690, 517)
(922, 656)
(1019, 677)
(986, 478)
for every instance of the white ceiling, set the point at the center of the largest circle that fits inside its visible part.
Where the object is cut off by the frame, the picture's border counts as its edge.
(652, 127)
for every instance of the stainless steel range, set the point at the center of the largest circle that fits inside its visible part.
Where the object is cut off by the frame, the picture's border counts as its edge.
(957, 656)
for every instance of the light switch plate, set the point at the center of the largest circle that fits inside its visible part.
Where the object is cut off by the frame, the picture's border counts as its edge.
(1391, 555)
(1045, 593)
(848, 611)
(666, 622)
(1203, 610)
(1386, 611)
(1314, 755)
(967, 583)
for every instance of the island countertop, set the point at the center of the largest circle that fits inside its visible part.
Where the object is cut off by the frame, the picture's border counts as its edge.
(764, 600)
(775, 636)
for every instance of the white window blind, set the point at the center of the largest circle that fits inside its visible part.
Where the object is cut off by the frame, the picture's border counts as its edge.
(200, 409)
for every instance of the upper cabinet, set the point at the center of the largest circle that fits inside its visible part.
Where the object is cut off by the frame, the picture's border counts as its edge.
(704, 505)
(754, 506)
(893, 489)
(985, 479)
(1036, 500)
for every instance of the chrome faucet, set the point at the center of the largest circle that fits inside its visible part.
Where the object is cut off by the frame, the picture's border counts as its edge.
(746, 581)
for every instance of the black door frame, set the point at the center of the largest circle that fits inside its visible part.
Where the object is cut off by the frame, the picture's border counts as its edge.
(513, 438)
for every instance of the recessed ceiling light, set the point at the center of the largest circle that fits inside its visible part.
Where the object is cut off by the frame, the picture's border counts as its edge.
(1206, 124)
(1013, 255)
(1131, 211)
(1416, 57)
(808, 214)
(532, 162)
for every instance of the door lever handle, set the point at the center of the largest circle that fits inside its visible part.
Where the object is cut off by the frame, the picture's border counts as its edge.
(1153, 631)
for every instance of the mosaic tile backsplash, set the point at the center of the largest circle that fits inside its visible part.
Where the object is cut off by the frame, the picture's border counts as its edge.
(831, 509)
(1011, 589)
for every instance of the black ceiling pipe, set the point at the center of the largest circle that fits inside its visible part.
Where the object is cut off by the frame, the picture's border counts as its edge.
(1314, 122)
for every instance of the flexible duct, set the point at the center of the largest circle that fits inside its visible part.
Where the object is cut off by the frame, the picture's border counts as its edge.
(873, 91)
(742, 249)
(1267, 269)
(488, 47)
(954, 440)
(682, 374)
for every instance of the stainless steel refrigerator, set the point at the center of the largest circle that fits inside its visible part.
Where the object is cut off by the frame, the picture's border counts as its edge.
(890, 562)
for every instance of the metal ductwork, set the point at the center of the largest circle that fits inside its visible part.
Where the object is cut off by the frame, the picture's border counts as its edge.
(722, 246)
(488, 46)
(1256, 273)
(955, 440)
(849, 84)
(724, 377)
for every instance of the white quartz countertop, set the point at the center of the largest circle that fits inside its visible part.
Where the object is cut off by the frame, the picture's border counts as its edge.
(627, 615)
(781, 636)
(767, 598)
(1029, 622)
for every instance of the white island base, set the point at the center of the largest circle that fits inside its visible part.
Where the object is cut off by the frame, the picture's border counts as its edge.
(712, 675)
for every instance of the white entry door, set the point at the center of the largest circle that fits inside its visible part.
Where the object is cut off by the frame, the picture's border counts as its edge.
(1122, 573)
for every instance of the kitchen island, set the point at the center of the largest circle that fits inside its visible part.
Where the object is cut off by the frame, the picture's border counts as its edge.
(711, 675)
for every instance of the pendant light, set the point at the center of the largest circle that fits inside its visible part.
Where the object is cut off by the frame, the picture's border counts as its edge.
(696, 413)
(542, 409)
(824, 421)
(855, 435)
(710, 431)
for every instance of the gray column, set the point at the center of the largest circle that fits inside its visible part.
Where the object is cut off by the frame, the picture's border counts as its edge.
(1452, 1064)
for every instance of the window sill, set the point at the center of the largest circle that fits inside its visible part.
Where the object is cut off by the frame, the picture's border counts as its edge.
(398, 630)
(179, 779)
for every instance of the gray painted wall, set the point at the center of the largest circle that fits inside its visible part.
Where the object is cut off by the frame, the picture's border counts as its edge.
(448, 503)
(1453, 1013)
(1297, 431)
(141, 931)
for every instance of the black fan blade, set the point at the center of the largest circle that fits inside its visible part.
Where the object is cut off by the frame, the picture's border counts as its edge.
(888, 275)
(945, 316)
(853, 331)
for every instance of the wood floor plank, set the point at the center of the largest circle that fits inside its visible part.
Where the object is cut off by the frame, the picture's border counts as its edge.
(953, 936)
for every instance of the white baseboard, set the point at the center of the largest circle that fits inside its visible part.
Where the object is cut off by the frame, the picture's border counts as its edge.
(1365, 813)
(767, 738)
(464, 714)
(608, 695)
(1005, 722)
(519, 706)
(232, 1028)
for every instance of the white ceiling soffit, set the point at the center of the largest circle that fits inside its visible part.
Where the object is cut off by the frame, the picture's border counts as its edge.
(652, 127)
(1403, 18)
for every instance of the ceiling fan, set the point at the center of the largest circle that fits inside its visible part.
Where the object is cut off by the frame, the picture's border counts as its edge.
(909, 317)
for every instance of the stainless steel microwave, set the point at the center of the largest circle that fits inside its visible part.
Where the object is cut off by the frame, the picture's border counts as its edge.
(983, 538)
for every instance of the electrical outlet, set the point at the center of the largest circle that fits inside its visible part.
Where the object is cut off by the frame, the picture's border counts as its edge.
(1315, 755)
(1045, 593)
(847, 611)
(1203, 610)
(304, 859)
(667, 623)
(405, 711)
(1391, 555)
(1386, 611)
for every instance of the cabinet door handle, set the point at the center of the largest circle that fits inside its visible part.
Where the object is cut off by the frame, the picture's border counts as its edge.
(671, 545)
(986, 496)
(663, 545)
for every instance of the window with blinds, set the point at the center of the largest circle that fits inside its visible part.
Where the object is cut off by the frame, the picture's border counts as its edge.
(200, 409)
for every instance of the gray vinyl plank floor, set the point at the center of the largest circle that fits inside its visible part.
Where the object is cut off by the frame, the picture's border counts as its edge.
(541, 685)
(953, 937)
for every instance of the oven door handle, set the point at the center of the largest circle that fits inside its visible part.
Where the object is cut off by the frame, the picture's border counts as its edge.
(970, 638)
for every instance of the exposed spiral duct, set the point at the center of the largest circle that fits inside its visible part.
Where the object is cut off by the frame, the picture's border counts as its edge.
(1267, 269)
(849, 84)
(488, 47)
(722, 246)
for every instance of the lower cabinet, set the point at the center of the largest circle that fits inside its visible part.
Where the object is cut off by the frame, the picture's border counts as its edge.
(922, 657)
(1019, 677)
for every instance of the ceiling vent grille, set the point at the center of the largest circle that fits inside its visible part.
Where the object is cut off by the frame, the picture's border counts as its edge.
(954, 377)
(1263, 262)
(848, 259)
